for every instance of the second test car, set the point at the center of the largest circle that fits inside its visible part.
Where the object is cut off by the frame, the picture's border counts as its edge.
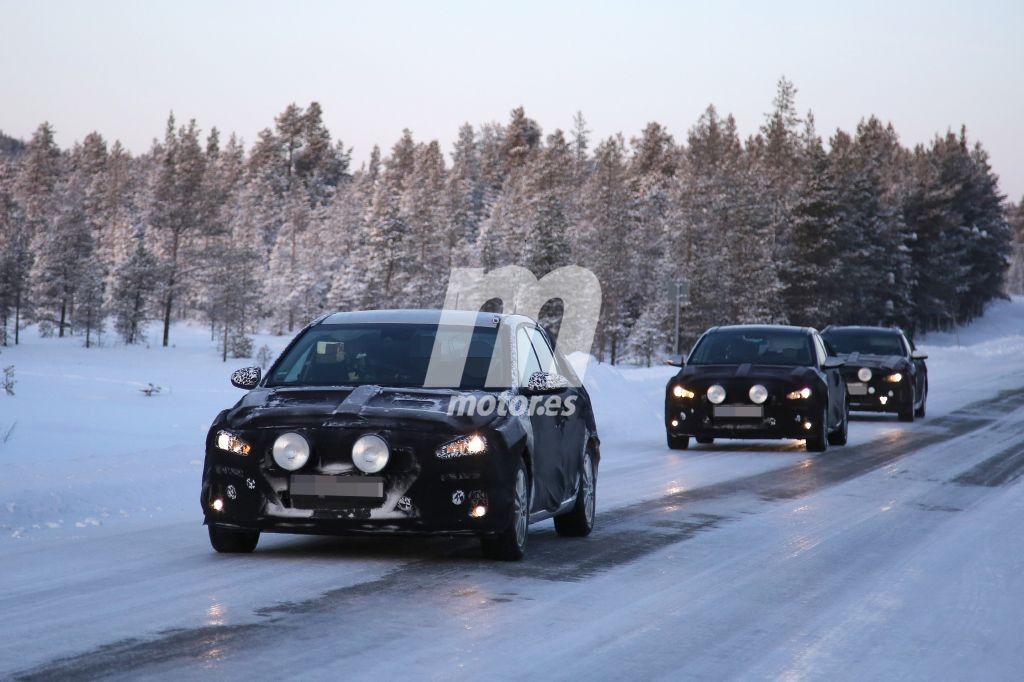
(758, 381)
(883, 371)
(405, 422)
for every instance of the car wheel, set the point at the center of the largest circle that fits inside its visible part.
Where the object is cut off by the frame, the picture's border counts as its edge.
(230, 541)
(678, 442)
(920, 412)
(580, 521)
(510, 544)
(907, 411)
(839, 436)
(819, 441)
(705, 440)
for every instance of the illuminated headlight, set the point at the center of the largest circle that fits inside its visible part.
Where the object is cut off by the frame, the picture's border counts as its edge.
(894, 378)
(680, 392)
(232, 443)
(716, 394)
(370, 453)
(291, 451)
(803, 394)
(758, 393)
(460, 447)
(864, 374)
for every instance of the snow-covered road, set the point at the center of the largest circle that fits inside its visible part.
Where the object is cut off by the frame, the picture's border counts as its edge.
(900, 555)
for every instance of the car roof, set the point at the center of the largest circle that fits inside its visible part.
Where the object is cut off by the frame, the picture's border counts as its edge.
(761, 328)
(861, 328)
(464, 318)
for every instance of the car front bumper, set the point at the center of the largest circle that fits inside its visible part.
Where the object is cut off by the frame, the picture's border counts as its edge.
(423, 494)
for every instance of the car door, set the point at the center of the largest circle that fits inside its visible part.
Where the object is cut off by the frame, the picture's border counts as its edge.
(568, 421)
(545, 452)
(834, 379)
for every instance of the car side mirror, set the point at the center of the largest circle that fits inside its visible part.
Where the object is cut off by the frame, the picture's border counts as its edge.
(832, 363)
(542, 383)
(676, 360)
(247, 377)
(918, 355)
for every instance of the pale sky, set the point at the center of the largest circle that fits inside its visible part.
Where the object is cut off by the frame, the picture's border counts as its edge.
(377, 67)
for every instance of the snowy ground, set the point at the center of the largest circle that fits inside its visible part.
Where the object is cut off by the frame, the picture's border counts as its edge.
(898, 556)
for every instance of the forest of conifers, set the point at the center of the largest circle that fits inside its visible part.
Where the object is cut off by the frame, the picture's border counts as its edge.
(791, 224)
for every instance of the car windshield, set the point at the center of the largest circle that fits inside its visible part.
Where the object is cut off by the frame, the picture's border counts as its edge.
(393, 355)
(736, 347)
(866, 342)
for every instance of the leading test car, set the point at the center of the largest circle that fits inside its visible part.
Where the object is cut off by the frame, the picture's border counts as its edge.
(349, 432)
(758, 381)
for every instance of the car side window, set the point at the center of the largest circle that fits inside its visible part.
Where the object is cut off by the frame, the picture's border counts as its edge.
(819, 349)
(526, 357)
(544, 354)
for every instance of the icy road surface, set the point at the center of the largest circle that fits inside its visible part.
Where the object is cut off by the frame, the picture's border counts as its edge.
(900, 555)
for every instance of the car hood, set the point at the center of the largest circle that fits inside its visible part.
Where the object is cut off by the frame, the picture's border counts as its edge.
(889, 362)
(301, 406)
(746, 371)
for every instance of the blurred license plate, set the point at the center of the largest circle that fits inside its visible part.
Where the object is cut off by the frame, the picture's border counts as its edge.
(857, 389)
(307, 485)
(739, 411)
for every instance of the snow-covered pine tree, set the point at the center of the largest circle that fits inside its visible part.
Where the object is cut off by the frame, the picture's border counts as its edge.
(1015, 274)
(177, 213)
(64, 252)
(811, 272)
(424, 272)
(134, 283)
(387, 230)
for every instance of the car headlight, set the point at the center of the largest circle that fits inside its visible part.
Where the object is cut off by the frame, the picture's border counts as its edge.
(370, 453)
(716, 394)
(232, 443)
(894, 378)
(460, 447)
(680, 392)
(802, 394)
(864, 374)
(291, 451)
(758, 393)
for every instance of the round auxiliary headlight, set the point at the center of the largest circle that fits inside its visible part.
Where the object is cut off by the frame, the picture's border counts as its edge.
(758, 393)
(864, 374)
(716, 394)
(291, 451)
(370, 453)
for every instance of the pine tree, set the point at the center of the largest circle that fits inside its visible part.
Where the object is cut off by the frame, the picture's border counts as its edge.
(135, 282)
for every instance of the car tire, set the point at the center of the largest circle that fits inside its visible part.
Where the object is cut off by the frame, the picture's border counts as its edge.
(510, 543)
(920, 412)
(840, 435)
(580, 520)
(231, 541)
(907, 411)
(677, 442)
(819, 441)
(705, 440)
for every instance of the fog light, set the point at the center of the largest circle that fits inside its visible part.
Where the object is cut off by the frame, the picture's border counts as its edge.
(675, 422)
(217, 504)
(807, 426)
(871, 389)
(883, 399)
(478, 511)
(680, 392)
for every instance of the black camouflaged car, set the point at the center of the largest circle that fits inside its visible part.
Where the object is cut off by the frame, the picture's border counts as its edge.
(405, 422)
(883, 370)
(758, 381)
